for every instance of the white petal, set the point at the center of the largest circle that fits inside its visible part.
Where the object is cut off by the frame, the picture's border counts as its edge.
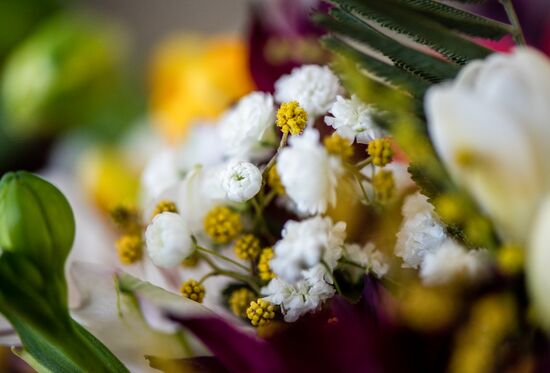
(504, 179)
(537, 264)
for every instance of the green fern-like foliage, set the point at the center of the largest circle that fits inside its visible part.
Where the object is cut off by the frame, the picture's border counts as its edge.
(390, 52)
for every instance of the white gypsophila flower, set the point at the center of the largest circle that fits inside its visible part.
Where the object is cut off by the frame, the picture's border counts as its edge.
(420, 232)
(368, 257)
(245, 127)
(168, 240)
(309, 173)
(453, 262)
(494, 108)
(305, 244)
(352, 119)
(314, 87)
(303, 296)
(241, 181)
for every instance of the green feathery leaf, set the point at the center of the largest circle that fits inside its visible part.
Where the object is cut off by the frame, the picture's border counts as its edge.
(457, 19)
(387, 73)
(430, 68)
(417, 26)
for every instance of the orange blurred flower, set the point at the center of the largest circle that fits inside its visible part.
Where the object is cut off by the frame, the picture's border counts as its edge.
(196, 78)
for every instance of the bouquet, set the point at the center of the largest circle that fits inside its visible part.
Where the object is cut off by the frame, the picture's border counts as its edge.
(386, 212)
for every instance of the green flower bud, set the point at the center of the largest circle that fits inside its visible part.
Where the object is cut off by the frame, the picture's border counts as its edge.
(36, 220)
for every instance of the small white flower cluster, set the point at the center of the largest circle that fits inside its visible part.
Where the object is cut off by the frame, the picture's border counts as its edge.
(420, 233)
(241, 181)
(423, 243)
(244, 128)
(305, 244)
(168, 240)
(314, 87)
(306, 295)
(218, 164)
(303, 258)
(309, 173)
(370, 259)
(352, 119)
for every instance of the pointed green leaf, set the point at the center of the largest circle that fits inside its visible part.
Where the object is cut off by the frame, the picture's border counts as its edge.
(418, 27)
(457, 19)
(414, 61)
(387, 73)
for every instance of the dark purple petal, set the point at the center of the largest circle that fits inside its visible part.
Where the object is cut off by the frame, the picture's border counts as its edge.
(238, 351)
(276, 35)
(534, 16)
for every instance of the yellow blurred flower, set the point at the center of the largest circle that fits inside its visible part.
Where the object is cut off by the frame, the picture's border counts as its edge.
(107, 179)
(190, 81)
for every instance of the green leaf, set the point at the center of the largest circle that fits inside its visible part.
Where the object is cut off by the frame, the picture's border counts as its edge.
(387, 73)
(30, 360)
(457, 19)
(419, 27)
(414, 61)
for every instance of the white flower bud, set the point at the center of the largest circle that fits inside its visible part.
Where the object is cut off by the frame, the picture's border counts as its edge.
(168, 240)
(241, 181)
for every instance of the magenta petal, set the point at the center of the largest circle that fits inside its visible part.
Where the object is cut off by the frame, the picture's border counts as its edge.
(238, 351)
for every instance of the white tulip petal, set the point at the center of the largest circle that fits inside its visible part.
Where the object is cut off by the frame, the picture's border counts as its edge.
(503, 176)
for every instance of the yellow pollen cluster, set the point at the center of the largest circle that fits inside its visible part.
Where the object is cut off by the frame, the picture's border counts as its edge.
(164, 206)
(222, 225)
(339, 146)
(274, 181)
(381, 152)
(264, 270)
(125, 217)
(260, 312)
(450, 208)
(247, 247)
(193, 290)
(129, 248)
(291, 117)
(240, 300)
(384, 186)
(510, 259)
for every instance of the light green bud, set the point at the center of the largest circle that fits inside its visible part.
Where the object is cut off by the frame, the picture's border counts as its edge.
(36, 220)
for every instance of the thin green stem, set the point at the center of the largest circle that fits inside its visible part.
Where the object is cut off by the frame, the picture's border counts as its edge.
(363, 163)
(335, 283)
(223, 257)
(272, 160)
(208, 275)
(517, 32)
(269, 198)
(217, 271)
(363, 191)
(260, 221)
(351, 263)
